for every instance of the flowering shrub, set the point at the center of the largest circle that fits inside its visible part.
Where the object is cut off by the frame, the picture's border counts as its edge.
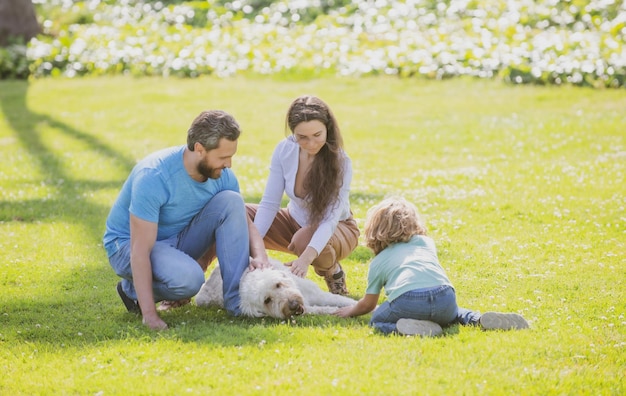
(13, 62)
(544, 41)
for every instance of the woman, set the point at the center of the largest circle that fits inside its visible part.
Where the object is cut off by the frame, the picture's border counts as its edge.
(311, 168)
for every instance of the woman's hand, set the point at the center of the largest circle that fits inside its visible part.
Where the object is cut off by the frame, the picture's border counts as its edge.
(299, 267)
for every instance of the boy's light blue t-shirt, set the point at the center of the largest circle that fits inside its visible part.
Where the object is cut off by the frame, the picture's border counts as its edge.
(403, 267)
(160, 190)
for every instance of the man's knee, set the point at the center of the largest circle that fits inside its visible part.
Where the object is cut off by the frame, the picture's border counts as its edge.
(188, 284)
(229, 200)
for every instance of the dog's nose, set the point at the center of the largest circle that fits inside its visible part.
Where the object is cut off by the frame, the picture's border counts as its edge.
(295, 307)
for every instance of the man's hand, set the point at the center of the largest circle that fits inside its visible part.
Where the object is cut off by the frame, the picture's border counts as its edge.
(154, 322)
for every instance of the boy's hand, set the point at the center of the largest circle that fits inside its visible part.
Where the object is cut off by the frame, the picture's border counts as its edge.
(344, 312)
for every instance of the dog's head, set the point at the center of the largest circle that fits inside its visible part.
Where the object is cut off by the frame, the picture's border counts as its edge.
(269, 292)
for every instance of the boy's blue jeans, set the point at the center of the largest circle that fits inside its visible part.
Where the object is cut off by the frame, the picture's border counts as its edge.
(436, 304)
(176, 273)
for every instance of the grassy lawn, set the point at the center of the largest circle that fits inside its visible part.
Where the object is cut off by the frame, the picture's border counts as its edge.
(523, 189)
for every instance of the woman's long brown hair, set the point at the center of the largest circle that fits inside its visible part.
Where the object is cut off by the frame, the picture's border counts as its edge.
(325, 177)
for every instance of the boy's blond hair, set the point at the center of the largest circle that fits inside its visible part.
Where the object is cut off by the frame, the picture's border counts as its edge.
(391, 221)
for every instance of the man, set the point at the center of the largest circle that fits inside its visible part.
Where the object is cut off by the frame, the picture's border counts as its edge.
(175, 205)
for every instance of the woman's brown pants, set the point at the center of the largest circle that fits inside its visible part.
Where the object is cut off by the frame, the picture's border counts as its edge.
(285, 235)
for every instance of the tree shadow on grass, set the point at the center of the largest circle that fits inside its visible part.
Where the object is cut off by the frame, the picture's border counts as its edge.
(69, 193)
(68, 203)
(78, 313)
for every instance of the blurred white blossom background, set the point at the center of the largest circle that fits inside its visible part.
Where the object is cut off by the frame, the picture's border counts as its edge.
(522, 41)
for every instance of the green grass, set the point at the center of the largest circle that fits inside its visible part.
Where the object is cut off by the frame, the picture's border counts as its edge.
(523, 189)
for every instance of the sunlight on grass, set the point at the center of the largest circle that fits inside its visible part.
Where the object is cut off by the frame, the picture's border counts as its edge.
(522, 189)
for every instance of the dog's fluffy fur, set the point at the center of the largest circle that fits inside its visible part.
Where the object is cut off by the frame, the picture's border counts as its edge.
(273, 292)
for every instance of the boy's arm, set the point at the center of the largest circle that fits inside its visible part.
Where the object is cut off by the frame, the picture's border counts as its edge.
(363, 306)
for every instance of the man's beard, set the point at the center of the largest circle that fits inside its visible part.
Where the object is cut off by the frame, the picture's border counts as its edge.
(207, 172)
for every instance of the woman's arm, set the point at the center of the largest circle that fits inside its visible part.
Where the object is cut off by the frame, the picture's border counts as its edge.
(273, 194)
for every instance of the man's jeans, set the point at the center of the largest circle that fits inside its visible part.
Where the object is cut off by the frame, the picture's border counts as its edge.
(436, 304)
(175, 272)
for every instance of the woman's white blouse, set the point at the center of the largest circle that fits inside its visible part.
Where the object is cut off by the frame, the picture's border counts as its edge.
(282, 179)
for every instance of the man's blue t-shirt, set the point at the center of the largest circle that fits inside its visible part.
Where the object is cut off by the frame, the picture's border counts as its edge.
(160, 190)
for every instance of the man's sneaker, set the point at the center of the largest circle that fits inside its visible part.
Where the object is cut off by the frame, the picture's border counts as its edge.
(502, 321)
(424, 328)
(166, 305)
(337, 282)
(131, 305)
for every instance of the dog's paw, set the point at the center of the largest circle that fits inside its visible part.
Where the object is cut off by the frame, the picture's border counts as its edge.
(319, 310)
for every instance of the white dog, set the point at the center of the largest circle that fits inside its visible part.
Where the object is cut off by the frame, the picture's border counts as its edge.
(273, 292)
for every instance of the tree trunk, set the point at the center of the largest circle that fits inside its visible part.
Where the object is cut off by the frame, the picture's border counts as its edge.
(17, 21)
